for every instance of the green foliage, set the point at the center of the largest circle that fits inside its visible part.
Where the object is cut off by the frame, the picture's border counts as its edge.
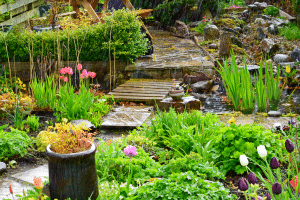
(271, 10)
(230, 3)
(296, 6)
(187, 185)
(233, 141)
(113, 164)
(202, 24)
(173, 130)
(13, 143)
(71, 105)
(32, 122)
(291, 32)
(261, 91)
(99, 108)
(238, 85)
(122, 27)
(44, 92)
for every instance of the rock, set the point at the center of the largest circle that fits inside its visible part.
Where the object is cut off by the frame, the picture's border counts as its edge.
(140, 74)
(268, 46)
(280, 22)
(213, 46)
(260, 21)
(252, 68)
(273, 29)
(238, 29)
(279, 58)
(2, 167)
(194, 24)
(274, 114)
(211, 32)
(265, 17)
(291, 64)
(191, 79)
(171, 29)
(181, 29)
(236, 41)
(260, 33)
(225, 44)
(295, 55)
(230, 30)
(80, 121)
(202, 85)
(252, 7)
(247, 28)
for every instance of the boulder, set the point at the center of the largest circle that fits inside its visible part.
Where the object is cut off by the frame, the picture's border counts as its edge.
(194, 24)
(268, 46)
(280, 22)
(191, 79)
(252, 68)
(202, 85)
(181, 29)
(252, 7)
(260, 21)
(236, 41)
(2, 167)
(213, 46)
(211, 32)
(261, 5)
(279, 58)
(273, 29)
(238, 29)
(274, 114)
(295, 55)
(230, 30)
(80, 121)
(260, 33)
(225, 44)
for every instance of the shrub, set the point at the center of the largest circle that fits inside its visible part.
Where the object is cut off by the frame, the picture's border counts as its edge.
(291, 32)
(272, 10)
(32, 122)
(13, 143)
(123, 26)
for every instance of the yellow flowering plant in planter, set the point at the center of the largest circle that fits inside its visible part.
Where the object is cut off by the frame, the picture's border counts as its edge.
(71, 157)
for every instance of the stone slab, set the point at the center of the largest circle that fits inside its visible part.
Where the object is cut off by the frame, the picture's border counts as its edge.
(16, 187)
(28, 175)
(127, 117)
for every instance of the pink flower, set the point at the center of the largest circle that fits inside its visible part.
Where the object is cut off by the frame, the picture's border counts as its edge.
(79, 66)
(38, 183)
(63, 71)
(10, 189)
(66, 79)
(84, 74)
(130, 151)
(61, 77)
(69, 70)
(92, 74)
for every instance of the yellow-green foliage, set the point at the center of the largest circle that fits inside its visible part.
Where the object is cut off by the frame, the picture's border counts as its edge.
(140, 140)
(52, 134)
(43, 139)
(225, 22)
(238, 50)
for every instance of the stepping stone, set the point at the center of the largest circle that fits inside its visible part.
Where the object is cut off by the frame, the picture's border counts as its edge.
(274, 114)
(127, 117)
(2, 167)
(28, 175)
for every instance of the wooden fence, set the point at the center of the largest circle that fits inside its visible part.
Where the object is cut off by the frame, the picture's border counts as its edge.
(20, 11)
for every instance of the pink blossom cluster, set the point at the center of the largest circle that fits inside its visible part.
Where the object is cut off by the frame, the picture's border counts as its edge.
(66, 70)
(85, 74)
(130, 151)
(234, 6)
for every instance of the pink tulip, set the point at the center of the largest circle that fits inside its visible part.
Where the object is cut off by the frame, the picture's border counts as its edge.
(92, 74)
(61, 77)
(84, 74)
(79, 66)
(70, 70)
(66, 79)
(62, 71)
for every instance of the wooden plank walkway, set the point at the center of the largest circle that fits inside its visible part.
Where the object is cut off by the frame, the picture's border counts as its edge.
(147, 90)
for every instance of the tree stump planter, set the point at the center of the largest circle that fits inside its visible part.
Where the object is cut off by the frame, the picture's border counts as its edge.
(72, 175)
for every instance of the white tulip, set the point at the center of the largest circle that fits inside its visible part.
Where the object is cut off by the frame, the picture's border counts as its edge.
(262, 151)
(244, 160)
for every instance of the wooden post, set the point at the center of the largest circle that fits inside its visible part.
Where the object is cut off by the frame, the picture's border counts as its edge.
(90, 10)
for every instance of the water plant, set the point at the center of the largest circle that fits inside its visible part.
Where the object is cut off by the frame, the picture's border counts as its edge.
(238, 85)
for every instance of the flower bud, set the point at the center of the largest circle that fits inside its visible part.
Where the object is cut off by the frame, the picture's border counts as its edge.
(244, 160)
(252, 178)
(274, 163)
(276, 188)
(262, 151)
(289, 146)
(268, 196)
(243, 184)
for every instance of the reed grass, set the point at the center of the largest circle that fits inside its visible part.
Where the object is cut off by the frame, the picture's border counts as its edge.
(261, 91)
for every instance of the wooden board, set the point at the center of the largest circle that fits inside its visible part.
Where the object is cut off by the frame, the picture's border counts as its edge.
(143, 90)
